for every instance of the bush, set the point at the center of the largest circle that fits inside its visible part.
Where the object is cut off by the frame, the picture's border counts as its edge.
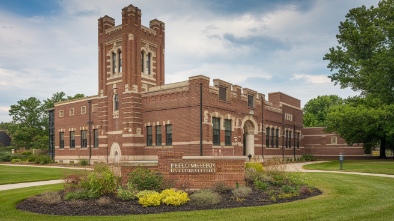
(127, 193)
(31, 158)
(308, 157)
(257, 166)
(101, 181)
(84, 162)
(205, 198)
(149, 198)
(16, 161)
(304, 190)
(5, 157)
(174, 197)
(103, 201)
(220, 187)
(288, 189)
(49, 198)
(43, 159)
(242, 192)
(261, 185)
(144, 179)
(80, 194)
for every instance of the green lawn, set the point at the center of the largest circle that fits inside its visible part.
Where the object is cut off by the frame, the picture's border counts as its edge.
(346, 197)
(16, 174)
(365, 166)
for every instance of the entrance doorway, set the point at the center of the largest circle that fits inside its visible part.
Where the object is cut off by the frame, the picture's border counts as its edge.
(248, 138)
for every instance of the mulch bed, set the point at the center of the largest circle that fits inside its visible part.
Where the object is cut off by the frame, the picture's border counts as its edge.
(114, 206)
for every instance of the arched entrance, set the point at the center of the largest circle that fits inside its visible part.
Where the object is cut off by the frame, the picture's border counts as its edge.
(249, 129)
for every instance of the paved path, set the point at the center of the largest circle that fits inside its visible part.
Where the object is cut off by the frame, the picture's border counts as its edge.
(292, 167)
(297, 167)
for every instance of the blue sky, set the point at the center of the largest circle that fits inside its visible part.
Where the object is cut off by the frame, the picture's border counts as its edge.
(48, 46)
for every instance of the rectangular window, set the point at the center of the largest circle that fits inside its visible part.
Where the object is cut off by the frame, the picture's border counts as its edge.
(216, 131)
(61, 113)
(169, 135)
(95, 138)
(250, 100)
(267, 137)
(227, 132)
(83, 110)
(61, 140)
(120, 61)
(158, 135)
(149, 136)
(84, 139)
(277, 138)
(71, 111)
(289, 139)
(142, 61)
(272, 137)
(116, 102)
(222, 93)
(72, 139)
(298, 139)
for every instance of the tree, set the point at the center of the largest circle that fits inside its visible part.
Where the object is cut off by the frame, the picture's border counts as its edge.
(29, 127)
(362, 120)
(364, 61)
(315, 110)
(28, 123)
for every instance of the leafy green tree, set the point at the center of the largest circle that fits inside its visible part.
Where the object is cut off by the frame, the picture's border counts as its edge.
(29, 127)
(363, 120)
(364, 61)
(315, 110)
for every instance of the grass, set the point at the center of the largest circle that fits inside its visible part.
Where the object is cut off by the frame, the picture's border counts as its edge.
(15, 174)
(364, 166)
(346, 197)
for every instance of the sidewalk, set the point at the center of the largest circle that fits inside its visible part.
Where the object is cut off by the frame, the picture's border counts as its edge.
(29, 184)
(297, 167)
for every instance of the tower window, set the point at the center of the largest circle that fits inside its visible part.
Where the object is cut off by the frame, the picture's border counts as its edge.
(120, 61)
(148, 63)
(222, 93)
(113, 63)
(116, 102)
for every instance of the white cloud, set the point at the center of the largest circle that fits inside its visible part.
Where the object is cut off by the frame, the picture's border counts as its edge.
(315, 79)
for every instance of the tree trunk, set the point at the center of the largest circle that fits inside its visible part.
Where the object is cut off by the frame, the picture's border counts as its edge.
(382, 147)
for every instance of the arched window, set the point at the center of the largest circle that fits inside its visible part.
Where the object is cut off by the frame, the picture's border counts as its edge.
(148, 62)
(120, 61)
(113, 62)
(116, 102)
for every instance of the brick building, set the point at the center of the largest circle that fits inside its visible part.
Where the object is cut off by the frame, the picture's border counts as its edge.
(135, 114)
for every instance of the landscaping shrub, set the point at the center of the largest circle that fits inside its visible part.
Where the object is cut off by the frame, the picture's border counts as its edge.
(127, 193)
(174, 197)
(84, 162)
(308, 157)
(304, 190)
(80, 194)
(220, 187)
(205, 198)
(144, 179)
(257, 166)
(241, 192)
(261, 185)
(288, 189)
(49, 198)
(32, 158)
(5, 157)
(101, 181)
(104, 201)
(43, 159)
(149, 198)
(16, 161)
